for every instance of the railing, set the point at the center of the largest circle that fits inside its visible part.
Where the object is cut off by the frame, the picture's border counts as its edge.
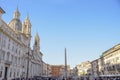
(7, 62)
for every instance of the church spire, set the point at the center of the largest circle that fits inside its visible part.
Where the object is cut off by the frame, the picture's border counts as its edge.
(37, 42)
(27, 20)
(16, 14)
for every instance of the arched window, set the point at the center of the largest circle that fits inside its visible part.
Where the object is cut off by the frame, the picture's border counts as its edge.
(11, 72)
(19, 60)
(1, 71)
(8, 55)
(3, 55)
(15, 60)
(12, 58)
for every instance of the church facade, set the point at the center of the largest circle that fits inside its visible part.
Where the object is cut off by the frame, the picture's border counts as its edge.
(17, 59)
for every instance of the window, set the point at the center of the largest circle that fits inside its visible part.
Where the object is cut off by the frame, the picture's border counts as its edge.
(1, 71)
(10, 73)
(16, 50)
(4, 43)
(12, 58)
(9, 40)
(14, 74)
(12, 48)
(8, 54)
(3, 54)
(19, 52)
(8, 45)
(19, 60)
(17, 73)
(15, 60)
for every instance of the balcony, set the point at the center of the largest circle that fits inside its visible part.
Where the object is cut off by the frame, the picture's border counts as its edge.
(7, 62)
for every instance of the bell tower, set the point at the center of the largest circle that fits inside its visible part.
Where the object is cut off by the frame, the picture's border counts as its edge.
(27, 27)
(36, 43)
(16, 14)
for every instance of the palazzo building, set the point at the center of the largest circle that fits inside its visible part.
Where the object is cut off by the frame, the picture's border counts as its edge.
(111, 62)
(108, 65)
(16, 55)
(58, 71)
(83, 69)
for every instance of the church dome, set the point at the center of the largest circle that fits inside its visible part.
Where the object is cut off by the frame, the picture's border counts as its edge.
(15, 23)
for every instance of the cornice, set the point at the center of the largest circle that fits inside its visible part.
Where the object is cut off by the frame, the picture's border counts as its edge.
(111, 50)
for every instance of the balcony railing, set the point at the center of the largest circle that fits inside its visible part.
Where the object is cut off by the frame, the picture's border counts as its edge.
(7, 62)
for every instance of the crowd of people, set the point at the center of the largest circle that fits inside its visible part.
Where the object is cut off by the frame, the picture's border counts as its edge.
(81, 78)
(99, 78)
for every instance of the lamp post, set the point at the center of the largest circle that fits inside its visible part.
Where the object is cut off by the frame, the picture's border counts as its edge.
(28, 61)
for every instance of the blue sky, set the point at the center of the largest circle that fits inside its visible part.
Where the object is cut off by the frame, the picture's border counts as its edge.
(85, 27)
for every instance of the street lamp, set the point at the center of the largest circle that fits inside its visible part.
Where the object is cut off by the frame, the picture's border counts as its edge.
(28, 61)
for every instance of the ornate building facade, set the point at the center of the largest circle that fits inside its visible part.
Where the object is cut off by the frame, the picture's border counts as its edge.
(107, 65)
(58, 71)
(94, 65)
(111, 62)
(83, 69)
(16, 56)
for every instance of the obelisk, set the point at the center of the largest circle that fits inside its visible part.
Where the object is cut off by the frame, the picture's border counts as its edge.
(65, 65)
